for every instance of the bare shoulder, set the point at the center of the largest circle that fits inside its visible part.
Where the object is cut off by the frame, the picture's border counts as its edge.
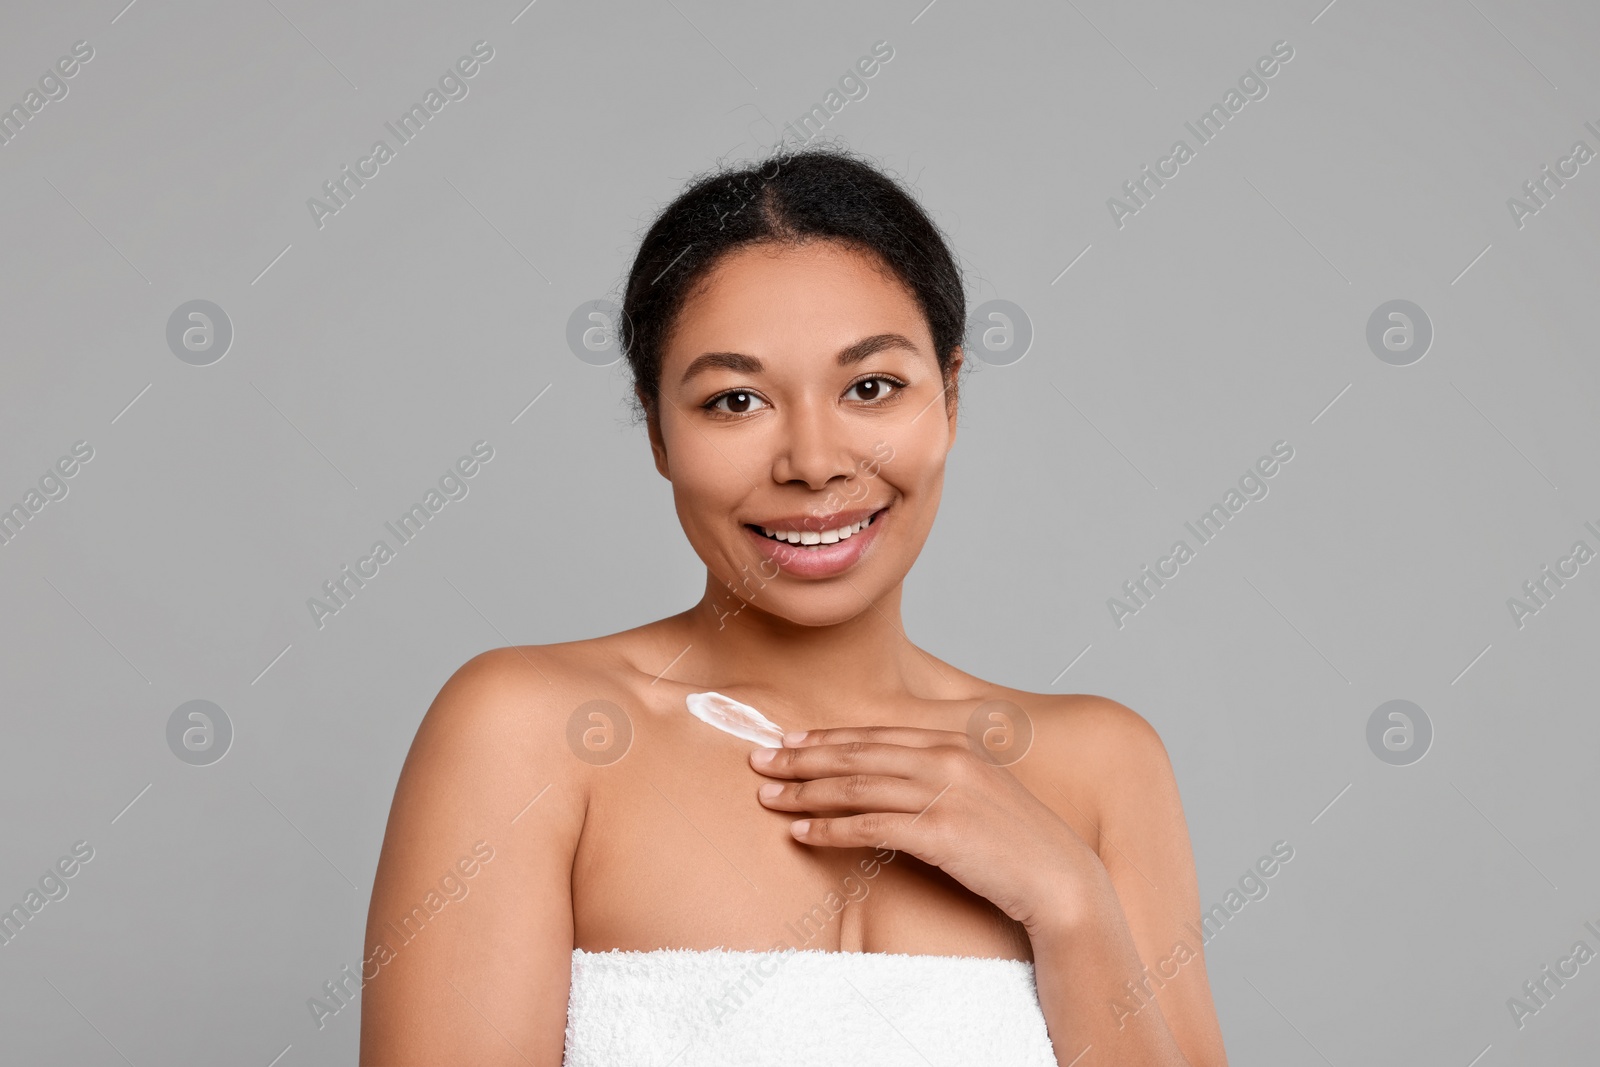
(488, 811)
(1104, 741)
(493, 740)
(1097, 719)
(515, 681)
(1083, 733)
(1087, 756)
(1072, 732)
(518, 694)
(506, 716)
(1100, 736)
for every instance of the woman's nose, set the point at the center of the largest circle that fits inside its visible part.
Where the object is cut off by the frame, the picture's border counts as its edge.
(815, 448)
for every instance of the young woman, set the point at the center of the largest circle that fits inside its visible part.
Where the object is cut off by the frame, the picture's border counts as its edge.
(597, 852)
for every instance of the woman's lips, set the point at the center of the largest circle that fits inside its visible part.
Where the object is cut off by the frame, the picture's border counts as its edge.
(819, 561)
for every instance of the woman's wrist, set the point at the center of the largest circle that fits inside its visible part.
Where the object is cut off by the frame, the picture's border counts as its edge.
(1083, 898)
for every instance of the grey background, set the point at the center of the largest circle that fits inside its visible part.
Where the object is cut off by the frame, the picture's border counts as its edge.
(1228, 314)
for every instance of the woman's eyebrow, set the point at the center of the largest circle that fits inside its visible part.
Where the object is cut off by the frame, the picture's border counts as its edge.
(738, 361)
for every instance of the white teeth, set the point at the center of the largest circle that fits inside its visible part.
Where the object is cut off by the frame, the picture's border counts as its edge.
(813, 537)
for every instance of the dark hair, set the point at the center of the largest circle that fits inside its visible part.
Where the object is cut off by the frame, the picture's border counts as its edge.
(823, 192)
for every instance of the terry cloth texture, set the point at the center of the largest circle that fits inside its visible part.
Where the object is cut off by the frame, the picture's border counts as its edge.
(716, 1007)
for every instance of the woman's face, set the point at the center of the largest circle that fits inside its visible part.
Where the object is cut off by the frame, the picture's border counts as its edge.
(800, 393)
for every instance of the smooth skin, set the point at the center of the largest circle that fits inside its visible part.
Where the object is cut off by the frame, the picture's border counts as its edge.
(618, 820)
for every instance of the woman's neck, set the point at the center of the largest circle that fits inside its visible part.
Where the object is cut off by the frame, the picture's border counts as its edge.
(833, 669)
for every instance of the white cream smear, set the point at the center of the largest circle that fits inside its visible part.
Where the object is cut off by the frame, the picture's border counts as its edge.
(732, 717)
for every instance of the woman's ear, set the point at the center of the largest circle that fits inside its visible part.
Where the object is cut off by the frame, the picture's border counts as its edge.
(652, 424)
(952, 396)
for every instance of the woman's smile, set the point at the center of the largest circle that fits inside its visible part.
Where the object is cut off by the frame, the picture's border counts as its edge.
(808, 546)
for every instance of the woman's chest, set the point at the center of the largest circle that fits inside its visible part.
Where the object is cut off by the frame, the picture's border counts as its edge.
(690, 858)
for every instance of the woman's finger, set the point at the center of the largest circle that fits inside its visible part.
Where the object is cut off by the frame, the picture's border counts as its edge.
(915, 834)
(850, 794)
(910, 736)
(859, 757)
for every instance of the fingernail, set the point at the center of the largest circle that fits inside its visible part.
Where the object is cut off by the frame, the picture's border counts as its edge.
(799, 828)
(794, 737)
(768, 791)
(762, 756)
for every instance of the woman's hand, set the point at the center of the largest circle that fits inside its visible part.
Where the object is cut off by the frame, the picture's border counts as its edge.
(931, 794)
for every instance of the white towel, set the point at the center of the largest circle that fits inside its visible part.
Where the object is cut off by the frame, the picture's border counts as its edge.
(717, 1007)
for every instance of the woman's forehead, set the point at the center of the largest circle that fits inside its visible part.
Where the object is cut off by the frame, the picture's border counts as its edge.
(814, 294)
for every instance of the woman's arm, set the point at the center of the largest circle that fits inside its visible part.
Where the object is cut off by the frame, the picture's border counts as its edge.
(1121, 972)
(469, 934)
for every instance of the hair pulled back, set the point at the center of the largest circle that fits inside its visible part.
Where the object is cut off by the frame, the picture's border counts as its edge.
(792, 197)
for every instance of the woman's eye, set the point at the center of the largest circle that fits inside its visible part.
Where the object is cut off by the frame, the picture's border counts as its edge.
(739, 402)
(873, 389)
(745, 402)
